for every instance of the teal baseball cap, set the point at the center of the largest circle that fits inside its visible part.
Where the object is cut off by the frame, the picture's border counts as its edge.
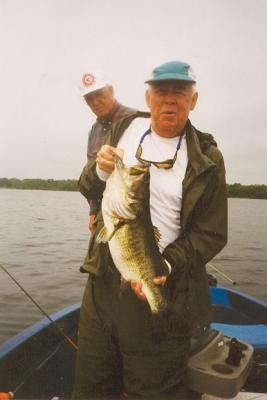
(173, 71)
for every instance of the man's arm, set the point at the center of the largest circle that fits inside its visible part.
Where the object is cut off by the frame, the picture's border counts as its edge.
(99, 167)
(207, 232)
(90, 185)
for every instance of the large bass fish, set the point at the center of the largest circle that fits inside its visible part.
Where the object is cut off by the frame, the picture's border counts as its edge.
(129, 232)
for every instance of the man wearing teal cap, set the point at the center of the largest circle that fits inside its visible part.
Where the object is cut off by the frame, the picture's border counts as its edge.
(117, 353)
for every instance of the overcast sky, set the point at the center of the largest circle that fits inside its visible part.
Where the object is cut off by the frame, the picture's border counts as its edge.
(47, 45)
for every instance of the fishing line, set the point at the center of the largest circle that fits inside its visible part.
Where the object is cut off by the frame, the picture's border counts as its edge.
(222, 273)
(69, 340)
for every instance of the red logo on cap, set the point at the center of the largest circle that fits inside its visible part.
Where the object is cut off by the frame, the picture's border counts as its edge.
(88, 79)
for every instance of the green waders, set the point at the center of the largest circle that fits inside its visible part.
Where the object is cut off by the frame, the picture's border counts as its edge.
(116, 351)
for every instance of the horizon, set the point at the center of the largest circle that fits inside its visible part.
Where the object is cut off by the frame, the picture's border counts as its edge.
(76, 179)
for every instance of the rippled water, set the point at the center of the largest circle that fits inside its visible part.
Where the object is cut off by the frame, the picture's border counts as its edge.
(43, 240)
(44, 237)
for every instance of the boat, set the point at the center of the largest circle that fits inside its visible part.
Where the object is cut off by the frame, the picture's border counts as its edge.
(39, 361)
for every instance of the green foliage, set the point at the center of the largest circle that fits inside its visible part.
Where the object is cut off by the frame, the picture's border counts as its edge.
(41, 184)
(234, 190)
(247, 191)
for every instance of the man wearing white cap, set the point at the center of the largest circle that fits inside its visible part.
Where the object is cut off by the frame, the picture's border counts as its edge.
(99, 96)
(188, 204)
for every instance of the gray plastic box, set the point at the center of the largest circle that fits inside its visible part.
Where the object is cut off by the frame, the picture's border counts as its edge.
(209, 373)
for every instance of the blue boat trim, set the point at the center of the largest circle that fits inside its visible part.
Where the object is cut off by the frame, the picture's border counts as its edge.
(256, 335)
(27, 333)
(219, 296)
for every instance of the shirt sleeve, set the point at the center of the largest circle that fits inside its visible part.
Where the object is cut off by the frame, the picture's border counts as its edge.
(102, 174)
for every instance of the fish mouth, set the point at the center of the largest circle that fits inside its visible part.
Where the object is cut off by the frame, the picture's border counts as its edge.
(118, 161)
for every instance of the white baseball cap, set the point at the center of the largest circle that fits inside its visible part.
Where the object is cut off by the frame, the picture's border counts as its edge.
(91, 82)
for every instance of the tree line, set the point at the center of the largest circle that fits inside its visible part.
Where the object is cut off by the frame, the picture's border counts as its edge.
(233, 190)
(70, 185)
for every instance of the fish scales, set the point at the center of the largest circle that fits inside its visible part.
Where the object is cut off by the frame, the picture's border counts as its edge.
(135, 262)
(135, 249)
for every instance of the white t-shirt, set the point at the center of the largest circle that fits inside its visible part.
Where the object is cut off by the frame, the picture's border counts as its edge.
(165, 184)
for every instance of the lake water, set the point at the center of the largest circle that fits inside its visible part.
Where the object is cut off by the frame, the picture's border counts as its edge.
(44, 237)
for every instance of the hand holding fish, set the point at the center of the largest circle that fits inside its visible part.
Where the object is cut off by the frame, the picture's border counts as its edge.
(137, 286)
(105, 158)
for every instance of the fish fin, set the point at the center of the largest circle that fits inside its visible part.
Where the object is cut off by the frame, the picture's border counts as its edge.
(103, 237)
(157, 234)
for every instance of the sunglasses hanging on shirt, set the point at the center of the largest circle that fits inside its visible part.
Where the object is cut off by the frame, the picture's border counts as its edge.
(167, 164)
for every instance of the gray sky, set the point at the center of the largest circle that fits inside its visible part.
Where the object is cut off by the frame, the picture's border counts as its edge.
(46, 45)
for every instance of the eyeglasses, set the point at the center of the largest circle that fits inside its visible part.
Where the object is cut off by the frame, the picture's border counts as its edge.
(167, 164)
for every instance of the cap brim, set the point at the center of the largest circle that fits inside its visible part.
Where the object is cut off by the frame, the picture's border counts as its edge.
(93, 88)
(172, 77)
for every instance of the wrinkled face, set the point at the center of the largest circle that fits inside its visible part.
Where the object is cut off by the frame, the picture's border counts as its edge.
(170, 103)
(101, 101)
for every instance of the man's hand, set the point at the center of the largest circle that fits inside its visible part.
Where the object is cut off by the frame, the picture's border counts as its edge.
(105, 159)
(137, 287)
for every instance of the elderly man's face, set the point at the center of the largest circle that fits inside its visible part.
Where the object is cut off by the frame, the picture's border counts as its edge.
(170, 103)
(101, 101)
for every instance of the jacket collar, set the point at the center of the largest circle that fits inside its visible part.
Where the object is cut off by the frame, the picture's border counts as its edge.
(199, 161)
(196, 179)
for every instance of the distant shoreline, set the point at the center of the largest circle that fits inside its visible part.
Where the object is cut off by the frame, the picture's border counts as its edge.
(71, 185)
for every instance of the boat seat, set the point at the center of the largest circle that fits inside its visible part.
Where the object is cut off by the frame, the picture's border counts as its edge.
(256, 335)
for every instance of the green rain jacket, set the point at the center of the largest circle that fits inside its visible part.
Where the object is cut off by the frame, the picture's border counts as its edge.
(203, 222)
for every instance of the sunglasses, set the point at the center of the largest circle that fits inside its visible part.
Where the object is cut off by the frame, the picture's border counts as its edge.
(167, 164)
